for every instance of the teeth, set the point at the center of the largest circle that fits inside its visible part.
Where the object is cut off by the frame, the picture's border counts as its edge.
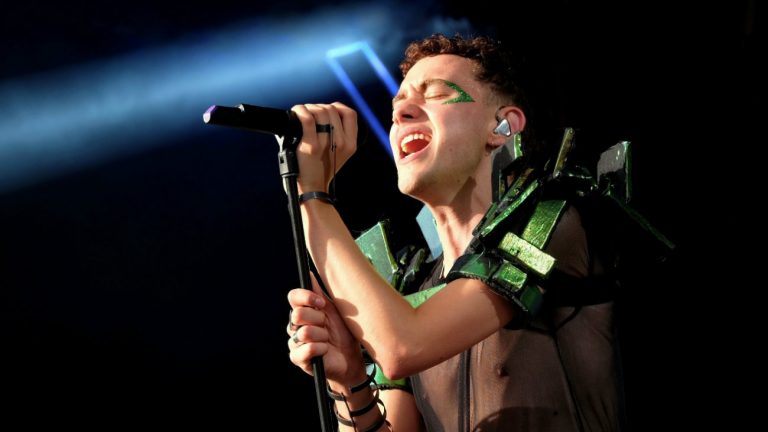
(410, 138)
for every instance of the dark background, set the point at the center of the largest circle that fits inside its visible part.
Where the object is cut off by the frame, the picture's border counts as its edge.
(150, 290)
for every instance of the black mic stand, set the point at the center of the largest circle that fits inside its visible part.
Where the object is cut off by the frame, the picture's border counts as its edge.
(289, 171)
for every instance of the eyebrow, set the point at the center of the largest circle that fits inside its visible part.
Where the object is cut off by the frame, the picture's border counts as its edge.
(422, 87)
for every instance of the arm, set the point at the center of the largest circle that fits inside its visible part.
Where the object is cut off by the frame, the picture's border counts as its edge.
(462, 314)
(401, 411)
(321, 331)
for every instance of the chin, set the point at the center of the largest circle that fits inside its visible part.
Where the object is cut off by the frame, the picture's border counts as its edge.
(406, 186)
(412, 189)
(403, 186)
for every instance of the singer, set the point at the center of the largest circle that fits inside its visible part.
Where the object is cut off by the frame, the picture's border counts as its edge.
(511, 328)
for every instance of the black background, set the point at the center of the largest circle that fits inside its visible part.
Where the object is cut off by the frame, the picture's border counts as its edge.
(150, 290)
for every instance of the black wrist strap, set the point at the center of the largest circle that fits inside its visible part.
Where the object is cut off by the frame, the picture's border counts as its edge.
(372, 428)
(365, 409)
(366, 383)
(322, 196)
(355, 388)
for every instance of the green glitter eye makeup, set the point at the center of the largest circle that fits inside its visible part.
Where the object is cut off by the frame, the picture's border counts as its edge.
(462, 97)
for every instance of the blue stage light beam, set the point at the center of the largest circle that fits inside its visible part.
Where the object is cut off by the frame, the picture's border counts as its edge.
(57, 122)
(381, 71)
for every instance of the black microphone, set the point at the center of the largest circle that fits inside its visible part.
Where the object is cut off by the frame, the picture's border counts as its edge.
(255, 118)
(273, 121)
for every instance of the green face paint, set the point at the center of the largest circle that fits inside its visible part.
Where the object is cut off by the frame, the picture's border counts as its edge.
(462, 97)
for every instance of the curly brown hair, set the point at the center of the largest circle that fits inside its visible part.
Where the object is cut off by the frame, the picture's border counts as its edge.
(495, 64)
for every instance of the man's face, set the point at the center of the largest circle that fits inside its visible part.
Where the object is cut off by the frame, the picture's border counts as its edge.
(441, 121)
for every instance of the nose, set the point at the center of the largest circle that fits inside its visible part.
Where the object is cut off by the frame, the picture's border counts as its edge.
(405, 110)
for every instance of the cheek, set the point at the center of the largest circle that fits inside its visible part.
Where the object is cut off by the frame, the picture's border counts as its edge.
(468, 127)
(392, 138)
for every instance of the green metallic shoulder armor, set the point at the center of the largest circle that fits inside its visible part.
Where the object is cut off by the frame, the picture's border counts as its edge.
(506, 252)
(507, 249)
(400, 270)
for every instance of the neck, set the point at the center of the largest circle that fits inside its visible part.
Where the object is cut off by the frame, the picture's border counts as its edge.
(457, 219)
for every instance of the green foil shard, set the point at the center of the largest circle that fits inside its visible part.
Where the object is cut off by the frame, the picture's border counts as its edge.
(503, 277)
(375, 246)
(419, 297)
(543, 222)
(510, 277)
(505, 212)
(383, 382)
(614, 170)
(528, 255)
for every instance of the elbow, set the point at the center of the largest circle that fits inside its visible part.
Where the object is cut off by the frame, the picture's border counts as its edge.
(397, 364)
(393, 371)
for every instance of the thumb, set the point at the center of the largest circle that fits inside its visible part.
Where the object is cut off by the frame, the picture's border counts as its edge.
(316, 288)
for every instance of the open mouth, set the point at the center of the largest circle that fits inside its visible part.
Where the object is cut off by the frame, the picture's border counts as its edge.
(413, 143)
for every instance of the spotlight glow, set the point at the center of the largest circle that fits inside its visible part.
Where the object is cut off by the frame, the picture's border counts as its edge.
(64, 120)
(354, 93)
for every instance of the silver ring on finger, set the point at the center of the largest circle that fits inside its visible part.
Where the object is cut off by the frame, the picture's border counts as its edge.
(295, 337)
(291, 325)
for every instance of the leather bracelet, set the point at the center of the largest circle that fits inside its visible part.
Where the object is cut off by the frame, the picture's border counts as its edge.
(355, 388)
(376, 426)
(322, 196)
(366, 383)
(365, 409)
(372, 428)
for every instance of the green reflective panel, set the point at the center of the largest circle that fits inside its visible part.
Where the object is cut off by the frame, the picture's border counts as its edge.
(489, 227)
(417, 298)
(543, 222)
(375, 246)
(382, 380)
(527, 254)
(511, 277)
(476, 266)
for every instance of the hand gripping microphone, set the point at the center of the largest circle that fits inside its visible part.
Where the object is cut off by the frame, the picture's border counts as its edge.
(283, 123)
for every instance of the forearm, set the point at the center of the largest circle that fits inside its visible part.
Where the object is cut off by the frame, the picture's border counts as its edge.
(392, 330)
(360, 410)
(397, 409)
(374, 312)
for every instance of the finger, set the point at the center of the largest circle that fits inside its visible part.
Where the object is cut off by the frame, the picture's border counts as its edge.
(302, 355)
(338, 131)
(307, 120)
(320, 112)
(348, 122)
(290, 328)
(300, 297)
(307, 334)
(318, 291)
(307, 316)
(301, 352)
(322, 115)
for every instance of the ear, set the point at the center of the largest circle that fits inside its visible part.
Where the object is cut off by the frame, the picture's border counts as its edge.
(516, 119)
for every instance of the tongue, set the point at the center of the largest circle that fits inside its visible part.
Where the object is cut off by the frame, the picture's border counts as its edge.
(414, 146)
